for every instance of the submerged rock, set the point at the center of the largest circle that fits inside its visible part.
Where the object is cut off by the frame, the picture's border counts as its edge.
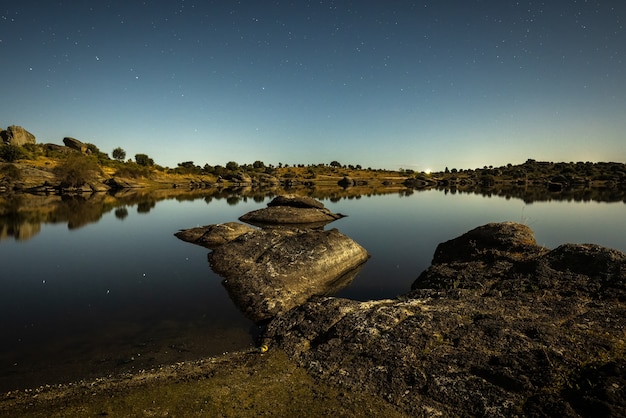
(497, 326)
(212, 236)
(269, 272)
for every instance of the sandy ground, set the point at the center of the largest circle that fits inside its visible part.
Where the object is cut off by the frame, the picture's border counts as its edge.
(242, 384)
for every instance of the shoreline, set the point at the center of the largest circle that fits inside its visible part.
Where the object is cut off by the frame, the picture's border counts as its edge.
(238, 384)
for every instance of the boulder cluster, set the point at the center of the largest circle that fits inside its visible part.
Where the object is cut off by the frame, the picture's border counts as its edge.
(271, 270)
(497, 326)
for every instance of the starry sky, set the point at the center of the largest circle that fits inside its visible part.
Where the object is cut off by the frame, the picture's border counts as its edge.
(384, 84)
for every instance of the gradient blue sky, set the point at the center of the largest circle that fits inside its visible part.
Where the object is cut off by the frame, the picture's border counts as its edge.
(383, 84)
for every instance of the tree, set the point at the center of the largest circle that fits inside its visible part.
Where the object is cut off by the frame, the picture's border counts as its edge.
(232, 166)
(187, 164)
(143, 159)
(335, 164)
(11, 152)
(119, 154)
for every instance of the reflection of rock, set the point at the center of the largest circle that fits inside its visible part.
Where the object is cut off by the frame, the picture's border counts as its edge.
(497, 326)
(212, 236)
(292, 210)
(21, 232)
(268, 272)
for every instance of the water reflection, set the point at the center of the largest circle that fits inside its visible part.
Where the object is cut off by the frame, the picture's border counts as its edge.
(21, 215)
(87, 301)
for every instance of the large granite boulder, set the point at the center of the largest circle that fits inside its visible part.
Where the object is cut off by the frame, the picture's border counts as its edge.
(292, 210)
(16, 135)
(269, 272)
(212, 236)
(75, 144)
(497, 327)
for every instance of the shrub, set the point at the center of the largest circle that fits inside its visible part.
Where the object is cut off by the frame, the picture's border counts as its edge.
(11, 152)
(77, 170)
(132, 170)
(143, 159)
(10, 173)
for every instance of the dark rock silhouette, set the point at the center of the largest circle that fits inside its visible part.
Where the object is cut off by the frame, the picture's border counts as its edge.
(75, 144)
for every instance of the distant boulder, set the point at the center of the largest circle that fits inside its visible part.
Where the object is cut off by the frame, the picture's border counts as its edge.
(75, 144)
(241, 178)
(16, 135)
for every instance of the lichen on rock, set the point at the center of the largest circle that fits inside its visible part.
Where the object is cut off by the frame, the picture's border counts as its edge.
(497, 326)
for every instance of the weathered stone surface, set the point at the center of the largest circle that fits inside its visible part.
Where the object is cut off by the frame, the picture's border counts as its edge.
(292, 210)
(268, 272)
(212, 236)
(276, 215)
(75, 144)
(488, 242)
(16, 135)
(295, 201)
(498, 327)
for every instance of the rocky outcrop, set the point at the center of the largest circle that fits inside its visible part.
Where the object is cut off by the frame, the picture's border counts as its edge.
(497, 326)
(291, 210)
(269, 272)
(16, 135)
(75, 144)
(212, 236)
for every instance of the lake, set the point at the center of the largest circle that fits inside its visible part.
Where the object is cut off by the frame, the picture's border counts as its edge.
(91, 287)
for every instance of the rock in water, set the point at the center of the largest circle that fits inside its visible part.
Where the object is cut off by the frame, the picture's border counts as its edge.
(269, 272)
(212, 236)
(295, 201)
(291, 210)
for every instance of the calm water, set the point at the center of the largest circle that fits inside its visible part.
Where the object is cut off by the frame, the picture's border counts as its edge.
(118, 292)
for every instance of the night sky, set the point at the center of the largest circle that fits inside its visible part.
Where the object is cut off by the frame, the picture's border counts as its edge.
(384, 84)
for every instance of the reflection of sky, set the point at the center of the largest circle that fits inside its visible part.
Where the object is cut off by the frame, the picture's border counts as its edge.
(87, 283)
(402, 233)
(382, 84)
